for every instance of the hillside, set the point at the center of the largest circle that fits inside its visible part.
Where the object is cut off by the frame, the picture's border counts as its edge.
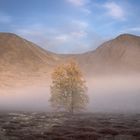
(119, 55)
(18, 53)
(23, 60)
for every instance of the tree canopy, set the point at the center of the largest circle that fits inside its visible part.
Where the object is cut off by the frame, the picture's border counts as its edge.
(68, 89)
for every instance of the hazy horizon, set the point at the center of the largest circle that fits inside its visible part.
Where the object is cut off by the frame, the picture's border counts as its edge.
(116, 94)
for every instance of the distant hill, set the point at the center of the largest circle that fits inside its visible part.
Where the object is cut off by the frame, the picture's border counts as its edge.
(120, 55)
(20, 54)
(22, 59)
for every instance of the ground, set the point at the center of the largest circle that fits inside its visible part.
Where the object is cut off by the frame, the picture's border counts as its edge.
(61, 126)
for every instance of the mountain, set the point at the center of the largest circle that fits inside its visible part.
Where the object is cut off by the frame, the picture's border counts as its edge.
(23, 60)
(18, 53)
(119, 55)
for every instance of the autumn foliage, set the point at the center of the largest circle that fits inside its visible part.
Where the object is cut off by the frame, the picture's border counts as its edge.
(68, 89)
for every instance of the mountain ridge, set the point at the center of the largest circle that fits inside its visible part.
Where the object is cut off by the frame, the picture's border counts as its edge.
(19, 56)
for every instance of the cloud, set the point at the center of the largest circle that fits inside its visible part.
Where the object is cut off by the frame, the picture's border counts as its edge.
(114, 10)
(79, 34)
(86, 11)
(62, 38)
(81, 4)
(78, 2)
(72, 32)
(78, 24)
(73, 37)
(5, 18)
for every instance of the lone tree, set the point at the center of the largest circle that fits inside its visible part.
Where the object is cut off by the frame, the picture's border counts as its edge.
(68, 89)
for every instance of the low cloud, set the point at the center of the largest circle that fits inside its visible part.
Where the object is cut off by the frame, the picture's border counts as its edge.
(112, 93)
(114, 10)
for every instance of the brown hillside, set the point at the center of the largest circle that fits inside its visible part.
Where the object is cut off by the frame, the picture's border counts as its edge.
(22, 59)
(121, 54)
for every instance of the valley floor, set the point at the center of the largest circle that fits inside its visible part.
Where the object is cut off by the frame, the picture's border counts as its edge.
(52, 126)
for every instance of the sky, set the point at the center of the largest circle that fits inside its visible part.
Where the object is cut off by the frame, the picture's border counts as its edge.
(70, 26)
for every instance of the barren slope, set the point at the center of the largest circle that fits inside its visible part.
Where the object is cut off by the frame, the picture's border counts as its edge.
(23, 60)
(120, 55)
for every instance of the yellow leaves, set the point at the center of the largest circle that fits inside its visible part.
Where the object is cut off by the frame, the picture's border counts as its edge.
(68, 88)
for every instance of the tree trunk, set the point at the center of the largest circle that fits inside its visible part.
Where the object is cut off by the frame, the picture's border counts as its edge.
(72, 103)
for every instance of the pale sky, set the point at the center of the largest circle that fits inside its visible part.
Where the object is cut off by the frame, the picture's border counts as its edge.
(69, 26)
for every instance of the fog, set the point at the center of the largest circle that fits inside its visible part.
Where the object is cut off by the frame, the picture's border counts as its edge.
(106, 94)
(25, 99)
(114, 94)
